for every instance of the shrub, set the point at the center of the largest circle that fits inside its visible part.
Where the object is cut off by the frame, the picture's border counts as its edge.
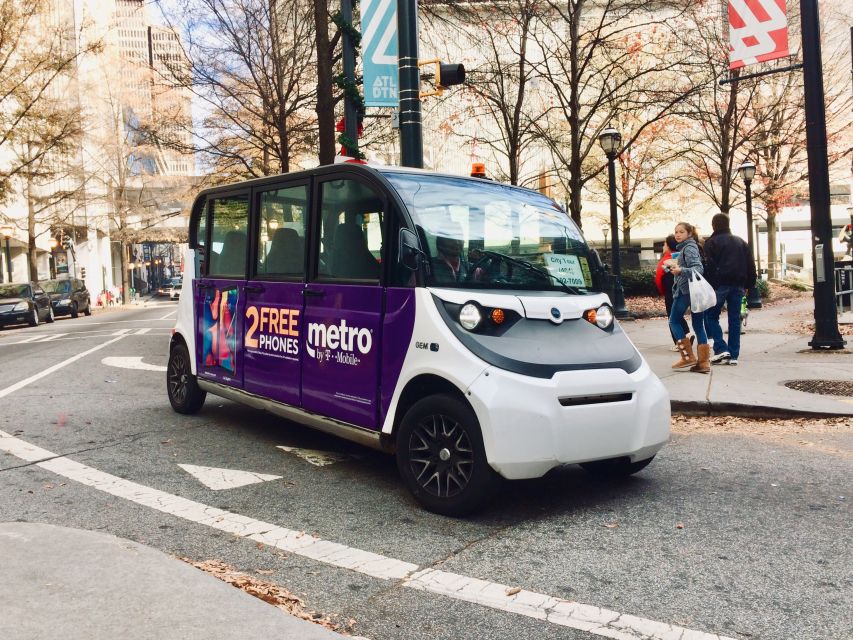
(637, 282)
(763, 287)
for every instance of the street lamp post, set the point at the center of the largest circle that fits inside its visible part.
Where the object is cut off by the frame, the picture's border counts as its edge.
(605, 230)
(7, 233)
(747, 172)
(611, 143)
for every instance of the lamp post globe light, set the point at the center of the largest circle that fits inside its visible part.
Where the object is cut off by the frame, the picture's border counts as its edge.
(605, 230)
(747, 173)
(53, 243)
(7, 233)
(611, 142)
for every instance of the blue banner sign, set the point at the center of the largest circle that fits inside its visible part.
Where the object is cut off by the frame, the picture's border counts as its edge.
(379, 51)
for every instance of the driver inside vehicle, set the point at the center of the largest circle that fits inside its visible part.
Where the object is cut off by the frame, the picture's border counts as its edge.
(450, 265)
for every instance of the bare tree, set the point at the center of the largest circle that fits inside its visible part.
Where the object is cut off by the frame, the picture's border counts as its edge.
(252, 67)
(603, 59)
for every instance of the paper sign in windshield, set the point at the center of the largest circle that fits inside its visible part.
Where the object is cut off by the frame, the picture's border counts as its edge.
(567, 268)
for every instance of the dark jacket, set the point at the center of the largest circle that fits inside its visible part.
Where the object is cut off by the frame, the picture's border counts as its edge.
(729, 261)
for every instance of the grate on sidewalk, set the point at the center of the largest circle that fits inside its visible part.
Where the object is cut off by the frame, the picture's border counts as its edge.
(822, 387)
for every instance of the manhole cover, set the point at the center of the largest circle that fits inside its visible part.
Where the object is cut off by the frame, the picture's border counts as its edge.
(822, 387)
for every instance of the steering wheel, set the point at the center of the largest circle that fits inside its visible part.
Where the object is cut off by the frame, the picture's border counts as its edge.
(489, 268)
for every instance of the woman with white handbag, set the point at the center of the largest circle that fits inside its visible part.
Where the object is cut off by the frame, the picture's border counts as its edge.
(690, 290)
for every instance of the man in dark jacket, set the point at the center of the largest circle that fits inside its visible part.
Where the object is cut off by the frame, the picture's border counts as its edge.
(730, 270)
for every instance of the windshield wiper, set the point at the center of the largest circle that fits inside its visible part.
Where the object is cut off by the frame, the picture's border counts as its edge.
(532, 267)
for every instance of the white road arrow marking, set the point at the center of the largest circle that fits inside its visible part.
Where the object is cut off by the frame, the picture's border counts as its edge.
(218, 479)
(317, 458)
(131, 362)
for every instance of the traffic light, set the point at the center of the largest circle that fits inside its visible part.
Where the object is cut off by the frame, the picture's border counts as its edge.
(83, 272)
(446, 75)
(67, 242)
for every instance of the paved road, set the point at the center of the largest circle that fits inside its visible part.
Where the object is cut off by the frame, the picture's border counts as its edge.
(763, 551)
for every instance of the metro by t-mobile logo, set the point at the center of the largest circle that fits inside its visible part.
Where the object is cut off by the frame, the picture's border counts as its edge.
(340, 336)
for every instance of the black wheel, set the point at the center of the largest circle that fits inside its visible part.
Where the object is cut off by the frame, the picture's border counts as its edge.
(50, 316)
(181, 385)
(33, 321)
(88, 310)
(616, 467)
(74, 312)
(441, 458)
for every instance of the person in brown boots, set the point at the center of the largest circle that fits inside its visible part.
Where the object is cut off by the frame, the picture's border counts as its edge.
(686, 259)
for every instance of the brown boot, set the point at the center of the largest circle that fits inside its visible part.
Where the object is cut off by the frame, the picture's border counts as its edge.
(686, 351)
(704, 363)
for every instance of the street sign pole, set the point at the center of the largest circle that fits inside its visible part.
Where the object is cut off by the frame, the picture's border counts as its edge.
(411, 135)
(826, 335)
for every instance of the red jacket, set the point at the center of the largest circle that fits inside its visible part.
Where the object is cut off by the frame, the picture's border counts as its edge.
(659, 271)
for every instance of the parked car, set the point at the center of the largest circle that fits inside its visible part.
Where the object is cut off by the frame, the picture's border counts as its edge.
(176, 292)
(24, 302)
(68, 296)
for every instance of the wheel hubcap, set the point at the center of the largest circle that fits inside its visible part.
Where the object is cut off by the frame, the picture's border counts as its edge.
(440, 456)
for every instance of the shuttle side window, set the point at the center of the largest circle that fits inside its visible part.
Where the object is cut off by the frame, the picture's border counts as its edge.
(228, 246)
(351, 221)
(281, 242)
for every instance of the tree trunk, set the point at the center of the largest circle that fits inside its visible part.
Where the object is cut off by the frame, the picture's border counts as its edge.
(31, 232)
(125, 279)
(325, 99)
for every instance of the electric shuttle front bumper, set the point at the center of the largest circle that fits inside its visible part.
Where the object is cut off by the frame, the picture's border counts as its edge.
(531, 425)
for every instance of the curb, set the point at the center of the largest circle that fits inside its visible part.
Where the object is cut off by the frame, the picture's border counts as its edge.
(705, 408)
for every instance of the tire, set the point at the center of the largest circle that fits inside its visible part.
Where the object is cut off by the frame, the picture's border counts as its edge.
(50, 317)
(34, 320)
(74, 312)
(182, 387)
(615, 467)
(88, 310)
(435, 427)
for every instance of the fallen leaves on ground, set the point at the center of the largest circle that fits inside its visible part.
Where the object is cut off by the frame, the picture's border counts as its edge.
(646, 306)
(822, 432)
(268, 592)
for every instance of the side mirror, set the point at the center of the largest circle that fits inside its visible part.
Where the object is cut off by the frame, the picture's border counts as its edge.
(410, 253)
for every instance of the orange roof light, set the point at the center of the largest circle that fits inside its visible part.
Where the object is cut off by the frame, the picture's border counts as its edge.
(478, 170)
(497, 316)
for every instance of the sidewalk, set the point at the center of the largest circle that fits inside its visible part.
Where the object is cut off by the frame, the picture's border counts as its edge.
(770, 356)
(83, 585)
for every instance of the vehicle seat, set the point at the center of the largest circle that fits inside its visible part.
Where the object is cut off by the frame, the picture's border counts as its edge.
(286, 253)
(232, 260)
(352, 258)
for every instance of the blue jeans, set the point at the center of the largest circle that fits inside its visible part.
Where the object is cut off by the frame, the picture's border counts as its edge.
(731, 297)
(680, 304)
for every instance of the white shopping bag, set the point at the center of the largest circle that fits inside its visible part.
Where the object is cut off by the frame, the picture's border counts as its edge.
(702, 294)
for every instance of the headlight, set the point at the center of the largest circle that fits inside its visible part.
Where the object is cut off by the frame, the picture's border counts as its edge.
(21, 306)
(601, 317)
(65, 301)
(604, 316)
(470, 316)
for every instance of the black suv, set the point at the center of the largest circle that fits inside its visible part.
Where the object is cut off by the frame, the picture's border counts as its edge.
(25, 302)
(68, 296)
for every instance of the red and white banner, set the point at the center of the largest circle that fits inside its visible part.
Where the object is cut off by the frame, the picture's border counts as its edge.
(758, 31)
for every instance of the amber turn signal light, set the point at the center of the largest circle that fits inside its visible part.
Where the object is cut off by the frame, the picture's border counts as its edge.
(497, 316)
(589, 316)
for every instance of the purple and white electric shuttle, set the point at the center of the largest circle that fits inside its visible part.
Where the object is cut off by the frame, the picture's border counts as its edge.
(455, 321)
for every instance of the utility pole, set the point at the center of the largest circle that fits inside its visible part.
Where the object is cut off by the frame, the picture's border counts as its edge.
(827, 335)
(350, 111)
(411, 135)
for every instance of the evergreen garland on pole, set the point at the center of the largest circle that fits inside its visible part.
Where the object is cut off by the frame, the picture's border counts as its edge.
(349, 86)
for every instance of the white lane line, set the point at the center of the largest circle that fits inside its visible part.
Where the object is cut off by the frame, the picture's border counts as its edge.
(219, 479)
(23, 383)
(32, 339)
(565, 613)
(120, 332)
(53, 337)
(131, 362)
(143, 331)
(168, 315)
